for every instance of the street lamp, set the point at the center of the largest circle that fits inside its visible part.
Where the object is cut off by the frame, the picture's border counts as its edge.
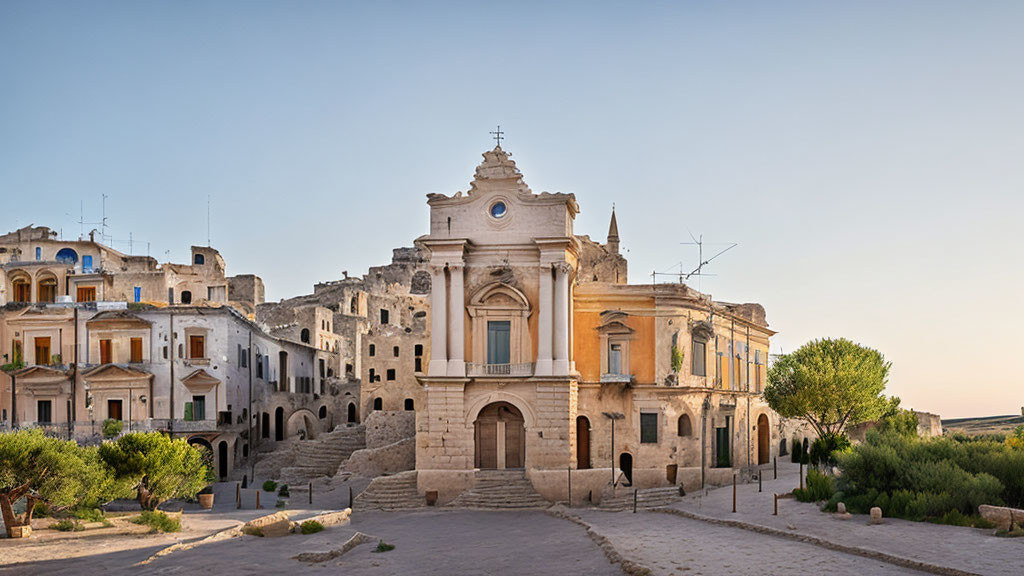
(613, 416)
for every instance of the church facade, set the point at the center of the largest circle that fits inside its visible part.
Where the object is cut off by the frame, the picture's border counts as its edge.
(542, 358)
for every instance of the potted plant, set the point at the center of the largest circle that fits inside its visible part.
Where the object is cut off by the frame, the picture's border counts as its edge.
(206, 498)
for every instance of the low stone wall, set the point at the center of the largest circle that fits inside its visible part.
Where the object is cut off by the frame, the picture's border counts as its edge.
(390, 459)
(388, 427)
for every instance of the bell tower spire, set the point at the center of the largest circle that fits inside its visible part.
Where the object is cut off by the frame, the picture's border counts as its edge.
(613, 233)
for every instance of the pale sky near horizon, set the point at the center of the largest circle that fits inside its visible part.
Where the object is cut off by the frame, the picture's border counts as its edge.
(867, 157)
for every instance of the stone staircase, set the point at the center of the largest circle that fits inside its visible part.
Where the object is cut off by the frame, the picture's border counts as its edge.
(646, 498)
(500, 489)
(323, 455)
(397, 492)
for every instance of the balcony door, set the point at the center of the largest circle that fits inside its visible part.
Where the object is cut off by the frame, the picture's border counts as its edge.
(499, 339)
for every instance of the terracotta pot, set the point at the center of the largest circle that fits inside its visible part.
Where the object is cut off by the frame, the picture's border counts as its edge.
(206, 501)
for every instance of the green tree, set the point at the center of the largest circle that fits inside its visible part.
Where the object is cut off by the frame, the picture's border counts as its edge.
(156, 467)
(830, 383)
(43, 469)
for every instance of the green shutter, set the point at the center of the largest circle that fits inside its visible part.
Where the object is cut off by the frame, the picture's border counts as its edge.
(188, 411)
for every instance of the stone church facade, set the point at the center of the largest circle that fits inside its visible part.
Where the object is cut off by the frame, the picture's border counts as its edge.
(542, 358)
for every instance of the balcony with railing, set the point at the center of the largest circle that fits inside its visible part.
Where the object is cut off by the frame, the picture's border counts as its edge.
(520, 370)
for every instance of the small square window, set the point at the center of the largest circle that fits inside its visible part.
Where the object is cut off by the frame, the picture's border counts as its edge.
(391, 374)
(373, 350)
(384, 316)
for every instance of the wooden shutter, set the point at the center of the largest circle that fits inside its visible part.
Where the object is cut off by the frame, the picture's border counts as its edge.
(136, 352)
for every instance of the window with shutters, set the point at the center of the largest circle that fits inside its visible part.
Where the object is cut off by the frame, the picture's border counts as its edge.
(699, 357)
(106, 351)
(136, 350)
(196, 346)
(648, 428)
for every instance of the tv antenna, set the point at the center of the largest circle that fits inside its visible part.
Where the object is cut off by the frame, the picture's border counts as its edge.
(697, 272)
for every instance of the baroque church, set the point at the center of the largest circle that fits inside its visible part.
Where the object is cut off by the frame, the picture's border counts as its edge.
(545, 362)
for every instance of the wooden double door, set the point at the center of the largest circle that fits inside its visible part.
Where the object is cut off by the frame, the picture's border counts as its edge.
(499, 437)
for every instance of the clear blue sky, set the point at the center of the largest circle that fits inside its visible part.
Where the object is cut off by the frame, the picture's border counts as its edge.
(867, 156)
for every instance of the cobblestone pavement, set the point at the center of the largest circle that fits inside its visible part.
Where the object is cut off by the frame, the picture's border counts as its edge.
(671, 545)
(966, 549)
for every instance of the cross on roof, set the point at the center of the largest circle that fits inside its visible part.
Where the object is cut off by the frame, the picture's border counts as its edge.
(497, 136)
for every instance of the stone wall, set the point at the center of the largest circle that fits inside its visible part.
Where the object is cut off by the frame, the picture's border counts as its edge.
(390, 459)
(387, 427)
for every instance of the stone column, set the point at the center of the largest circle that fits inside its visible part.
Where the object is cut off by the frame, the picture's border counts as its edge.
(544, 323)
(457, 316)
(438, 324)
(561, 320)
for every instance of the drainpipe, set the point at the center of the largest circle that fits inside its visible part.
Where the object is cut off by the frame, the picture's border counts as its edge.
(704, 437)
(14, 401)
(74, 377)
(252, 438)
(170, 421)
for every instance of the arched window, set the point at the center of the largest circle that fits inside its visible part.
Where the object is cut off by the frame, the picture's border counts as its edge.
(21, 288)
(46, 290)
(352, 416)
(409, 404)
(323, 412)
(378, 403)
(67, 256)
(304, 336)
(186, 297)
(685, 428)
(199, 259)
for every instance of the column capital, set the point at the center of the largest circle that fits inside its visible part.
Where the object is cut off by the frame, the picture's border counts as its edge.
(562, 267)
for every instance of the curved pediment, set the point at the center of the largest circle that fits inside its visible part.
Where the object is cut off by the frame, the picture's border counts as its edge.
(500, 296)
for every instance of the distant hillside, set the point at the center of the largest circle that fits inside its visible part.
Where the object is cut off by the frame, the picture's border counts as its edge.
(986, 425)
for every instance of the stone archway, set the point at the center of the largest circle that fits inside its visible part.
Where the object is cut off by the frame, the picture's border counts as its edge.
(499, 436)
(764, 440)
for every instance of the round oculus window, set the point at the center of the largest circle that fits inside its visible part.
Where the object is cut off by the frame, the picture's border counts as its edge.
(499, 210)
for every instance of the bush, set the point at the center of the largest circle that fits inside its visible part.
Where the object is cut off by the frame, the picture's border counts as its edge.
(89, 514)
(158, 521)
(941, 479)
(283, 492)
(794, 454)
(311, 527)
(382, 547)
(269, 486)
(112, 428)
(824, 449)
(819, 487)
(68, 525)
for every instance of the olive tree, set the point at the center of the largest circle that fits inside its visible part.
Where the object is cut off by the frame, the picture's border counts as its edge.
(830, 384)
(156, 467)
(38, 468)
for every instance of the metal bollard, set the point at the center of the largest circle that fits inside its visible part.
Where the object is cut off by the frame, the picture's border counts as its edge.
(349, 496)
(734, 493)
(801, 475)
(569, 470)
(238, 495)
(759, 482)
(257, 499)
(634, 500)
(775, 468)
(776, 513)
(311, 492)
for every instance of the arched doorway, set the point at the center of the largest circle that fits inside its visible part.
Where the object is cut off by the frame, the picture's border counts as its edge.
(764, 440)
(626, 465)
(279, 424)
(500, 437)
(222, 460)
(582, 443)
(352, 417)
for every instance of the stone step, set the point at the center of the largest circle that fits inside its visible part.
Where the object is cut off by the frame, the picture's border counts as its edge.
(396, 492)
(500, 489)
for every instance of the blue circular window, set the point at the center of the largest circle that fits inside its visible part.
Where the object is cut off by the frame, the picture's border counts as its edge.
(498, 210)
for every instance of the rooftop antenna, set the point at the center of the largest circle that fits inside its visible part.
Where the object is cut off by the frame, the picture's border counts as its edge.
(208, 243)
(697, 272)
(103, 223)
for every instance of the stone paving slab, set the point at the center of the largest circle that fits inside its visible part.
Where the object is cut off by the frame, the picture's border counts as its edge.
(671, 545)
(968, 550)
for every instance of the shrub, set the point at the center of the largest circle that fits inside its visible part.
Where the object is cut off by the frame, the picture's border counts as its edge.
(382, 547)
(269, 486)
(283, 492)
(311, 527)
(68, 525)
(158, 521)
(823, 450)
(89, 514)
(941, 479)
(794, 454)
(819, 487)
(112, 427)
